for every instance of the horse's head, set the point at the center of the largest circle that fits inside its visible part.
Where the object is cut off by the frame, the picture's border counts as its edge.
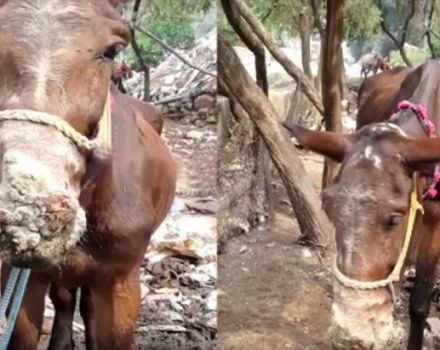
(384, 64)
(56, 60)
(368, 203)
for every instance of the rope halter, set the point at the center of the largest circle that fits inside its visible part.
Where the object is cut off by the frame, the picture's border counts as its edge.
(394, 276)
(99, 145)
(415, 206)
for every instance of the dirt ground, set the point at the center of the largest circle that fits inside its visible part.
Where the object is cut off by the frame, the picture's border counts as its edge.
(179, 310)
(276, 294)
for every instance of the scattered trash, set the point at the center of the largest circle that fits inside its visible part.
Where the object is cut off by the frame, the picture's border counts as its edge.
(243, 249)
(203, 205)
(306, 253)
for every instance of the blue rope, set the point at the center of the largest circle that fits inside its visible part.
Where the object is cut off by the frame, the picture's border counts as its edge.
(15, 307)
(10, 285)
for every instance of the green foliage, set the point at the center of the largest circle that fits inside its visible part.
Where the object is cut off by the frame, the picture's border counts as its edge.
(361, 19)
(170, 20)
(435, 29)
(279, 15)
(176, 33)
(416, 57)
(172, 9)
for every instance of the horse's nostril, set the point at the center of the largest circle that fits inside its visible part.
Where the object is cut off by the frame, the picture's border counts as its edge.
(58, 204)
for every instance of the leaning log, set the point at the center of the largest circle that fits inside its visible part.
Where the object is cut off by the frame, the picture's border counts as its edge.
(234, 79)
(295, 72)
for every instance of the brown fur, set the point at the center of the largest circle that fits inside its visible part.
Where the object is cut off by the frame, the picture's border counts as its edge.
(149, 111)
(130, 193)
(376, 97)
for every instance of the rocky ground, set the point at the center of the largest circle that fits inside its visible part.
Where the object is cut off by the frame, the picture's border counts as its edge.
(180, 269)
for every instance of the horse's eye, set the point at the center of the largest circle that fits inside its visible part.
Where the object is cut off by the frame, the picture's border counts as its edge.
(392, 221)
(111, 52)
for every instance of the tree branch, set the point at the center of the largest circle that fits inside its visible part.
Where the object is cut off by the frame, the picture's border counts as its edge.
(406, 24)
(317, 21)
(435, 34)
(252, 42)
(174, 52)
(275, 4)
(429, 31)
(399, 44)
(295, 72)
(137, 50)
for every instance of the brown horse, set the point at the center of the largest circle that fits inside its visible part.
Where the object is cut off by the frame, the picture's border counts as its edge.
(56, 59)
(377, 96)
(368, 202)
(153, 114)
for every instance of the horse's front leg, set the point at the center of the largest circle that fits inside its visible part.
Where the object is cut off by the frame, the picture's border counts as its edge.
(420, 299)
(64, 302)
(88, 314)
(116, 306)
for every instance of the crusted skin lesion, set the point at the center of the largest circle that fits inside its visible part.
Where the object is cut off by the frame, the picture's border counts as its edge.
(364, 323)
(32, 227)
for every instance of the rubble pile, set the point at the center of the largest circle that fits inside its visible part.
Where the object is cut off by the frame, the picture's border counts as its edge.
(180, 271)
(182, 91)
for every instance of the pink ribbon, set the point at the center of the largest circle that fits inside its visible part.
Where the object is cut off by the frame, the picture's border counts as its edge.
(422, 113)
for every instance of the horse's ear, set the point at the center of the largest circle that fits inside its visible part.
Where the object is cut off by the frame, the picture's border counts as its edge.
(334, 145)
(419, 153)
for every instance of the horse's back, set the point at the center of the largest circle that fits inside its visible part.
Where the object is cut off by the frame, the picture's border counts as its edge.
(377, 94)
(149, 112)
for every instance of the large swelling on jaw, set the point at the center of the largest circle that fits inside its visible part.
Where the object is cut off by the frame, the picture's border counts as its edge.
(34, 179)
(363, 319)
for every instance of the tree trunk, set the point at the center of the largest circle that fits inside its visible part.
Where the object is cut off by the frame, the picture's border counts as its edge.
(146, 83)
(234, 79)
(305, 30)
(138, 52)
(428, 30)
(318, 78)
(343, 81)
(419, 22)
(317, 23)
(263, 165)
(331, 77)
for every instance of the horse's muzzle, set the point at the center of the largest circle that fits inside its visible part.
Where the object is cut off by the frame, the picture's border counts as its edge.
(38, 230)
(363, 319)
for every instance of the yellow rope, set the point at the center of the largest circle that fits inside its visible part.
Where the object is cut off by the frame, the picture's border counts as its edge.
(105, 124)
(395, 274)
